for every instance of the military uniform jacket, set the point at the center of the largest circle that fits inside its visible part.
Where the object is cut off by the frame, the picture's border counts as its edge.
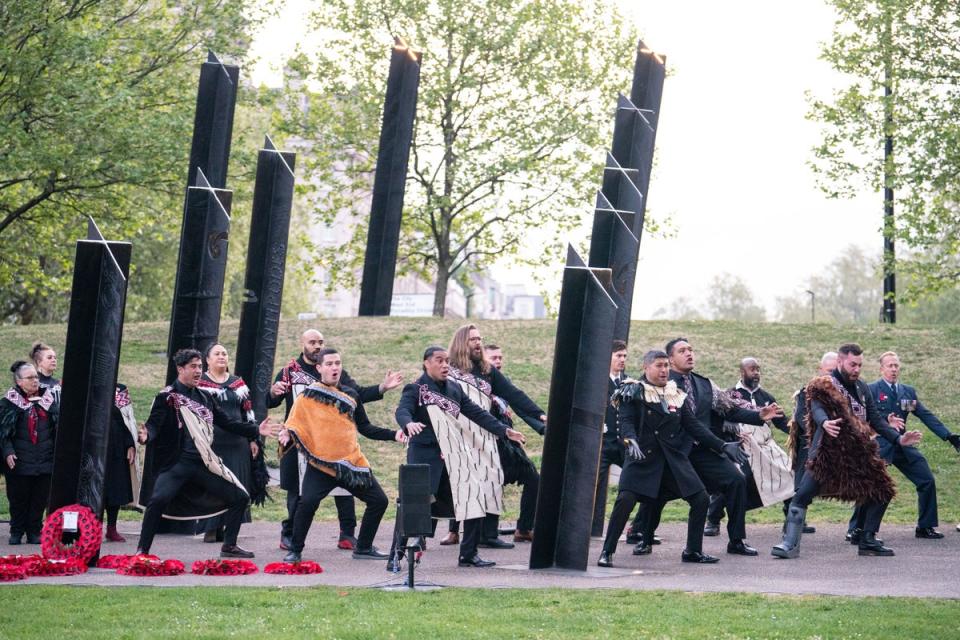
(666, 436)
(888, 401)
(611, 423)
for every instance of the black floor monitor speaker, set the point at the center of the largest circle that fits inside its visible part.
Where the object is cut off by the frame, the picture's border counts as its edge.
(413, 510)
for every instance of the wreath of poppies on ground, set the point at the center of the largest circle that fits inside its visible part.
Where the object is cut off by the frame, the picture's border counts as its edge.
(150, 566)
(293, 568)
(14, 568)
(223, 567)
(120, 560)
(89, 531)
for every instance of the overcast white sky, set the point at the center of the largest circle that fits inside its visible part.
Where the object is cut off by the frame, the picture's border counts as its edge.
(732, 146)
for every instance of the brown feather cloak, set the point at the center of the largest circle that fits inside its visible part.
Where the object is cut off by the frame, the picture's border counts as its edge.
(848, 467)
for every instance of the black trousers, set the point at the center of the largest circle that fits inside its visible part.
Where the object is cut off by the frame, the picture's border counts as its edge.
(346, 510)
(530, 481)
(626, 500)
(316, 486)
(609, 455)
(28, 497)
(871, 513)
(915, 467)
(719, 475)
(168, 485)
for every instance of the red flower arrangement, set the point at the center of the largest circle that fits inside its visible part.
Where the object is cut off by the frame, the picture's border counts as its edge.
(42, 567)
(19, 561)
(12, 572)
(87, 544)
(223, 567)
(118, 561)
(151, 566)
(293, 568)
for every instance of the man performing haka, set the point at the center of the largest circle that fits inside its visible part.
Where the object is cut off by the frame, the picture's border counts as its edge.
(192, 481)
(323, 426)
(449, 432)
(772, 477)
(846, 465)
(658, 429)
(290, 382)
(492, 390)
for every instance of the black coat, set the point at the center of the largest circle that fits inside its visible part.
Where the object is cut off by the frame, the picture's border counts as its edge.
(611, 432)
(704, 412)
(666, 439)
(117, 490)
(167, 437)
(424, 448)
(32, 459)
(522, 405)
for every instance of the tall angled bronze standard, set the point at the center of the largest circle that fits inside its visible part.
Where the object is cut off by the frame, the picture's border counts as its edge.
(578, 400)
(389, 184)
(266, 261)
(91, 358)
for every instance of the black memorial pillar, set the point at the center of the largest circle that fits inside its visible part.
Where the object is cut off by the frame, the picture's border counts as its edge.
(614, 246)
(263, 284)
(578, 401)
(91, 358)
(389, 184)
(213, 122)
(202, 265)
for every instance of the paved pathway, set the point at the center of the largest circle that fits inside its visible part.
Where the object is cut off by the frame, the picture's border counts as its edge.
(828, 565)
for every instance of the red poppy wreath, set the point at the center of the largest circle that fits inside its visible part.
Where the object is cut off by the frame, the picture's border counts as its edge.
(89, 532)
(223, 567)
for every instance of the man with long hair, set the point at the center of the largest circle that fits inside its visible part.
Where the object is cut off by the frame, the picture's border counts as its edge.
(471, 367)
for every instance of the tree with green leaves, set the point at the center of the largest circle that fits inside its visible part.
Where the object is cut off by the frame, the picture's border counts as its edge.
(96, 111)
(515, 108)
(902, 61)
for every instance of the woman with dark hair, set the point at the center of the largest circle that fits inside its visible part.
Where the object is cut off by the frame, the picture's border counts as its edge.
(237, 452)
(28, 425)
(122, 481)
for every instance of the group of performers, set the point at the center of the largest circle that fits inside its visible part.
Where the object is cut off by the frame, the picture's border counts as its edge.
(674, 433)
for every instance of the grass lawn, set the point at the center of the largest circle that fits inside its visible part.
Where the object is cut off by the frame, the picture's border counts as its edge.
(789, 354)
(63, 612)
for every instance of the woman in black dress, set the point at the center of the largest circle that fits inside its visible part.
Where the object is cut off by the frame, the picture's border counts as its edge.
(121, 458)
(237, 452)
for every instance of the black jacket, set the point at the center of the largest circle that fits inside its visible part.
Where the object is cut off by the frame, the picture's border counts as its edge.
(665, 439)
(611, 432)
(32, 459)
(520, 402)
(760, 397)
(366, 394)
(704, 412)
(166, 435)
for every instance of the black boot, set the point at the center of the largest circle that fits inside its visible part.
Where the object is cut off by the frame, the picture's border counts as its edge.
(792, 532)
(870, 546)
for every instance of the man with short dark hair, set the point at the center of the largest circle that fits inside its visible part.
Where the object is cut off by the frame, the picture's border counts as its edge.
(712, 406)
(658, 431)
(323, 426)
(611, 452)
(290, 382)
(458, 451)
(894, 397)
(845, 464)
(192, 481)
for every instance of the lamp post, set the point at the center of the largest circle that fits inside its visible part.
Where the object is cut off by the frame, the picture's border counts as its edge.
(813, 306)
